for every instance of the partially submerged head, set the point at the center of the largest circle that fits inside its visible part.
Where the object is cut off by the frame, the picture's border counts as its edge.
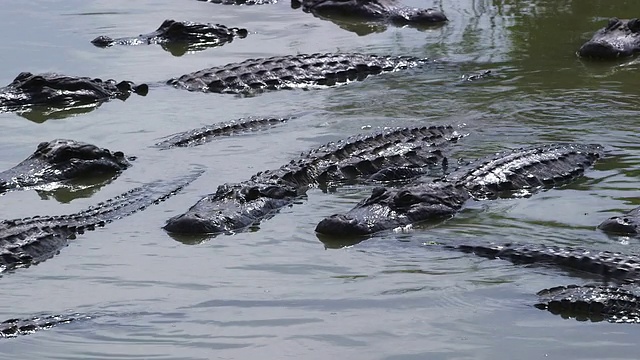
(389, 208)
(620, 38)
(69, 158)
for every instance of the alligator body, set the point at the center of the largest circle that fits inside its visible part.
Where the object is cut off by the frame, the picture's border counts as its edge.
(345, 12)
(235, 207)
(179, 37)
(207, 133)
(620, 38)
(617, 304)
(626, 224)
(62, 93)
(28, 241)
(514, 172)
(292, 71)
(62, 161)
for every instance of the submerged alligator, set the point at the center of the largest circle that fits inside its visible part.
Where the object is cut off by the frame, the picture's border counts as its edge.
(620, 38)
(28, 241)
(515, 172)
(179, 37)
(62, 160)
(595, 302)
(292, 71)
(349, 14)
(234, 207)
(207, 133)
(52, 93)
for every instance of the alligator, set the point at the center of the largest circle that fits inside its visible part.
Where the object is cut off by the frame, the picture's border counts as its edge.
(617, 304)
(292, 71)
(179, 37)
(519, 172)
(235, 207)
(626, 224)
(62, 161)
(620, 38)
(54, 93)
(207, 133)
(28, 241)
(348, 13)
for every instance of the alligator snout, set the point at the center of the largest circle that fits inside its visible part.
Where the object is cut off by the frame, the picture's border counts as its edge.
(192, 224)
(342, 225)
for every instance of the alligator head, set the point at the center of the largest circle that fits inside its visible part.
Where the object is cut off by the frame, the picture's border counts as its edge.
(61, 160)
(619, 38)
(391, 208)
(50, 89)
(233, 207)
(178, 37)
(627, 224)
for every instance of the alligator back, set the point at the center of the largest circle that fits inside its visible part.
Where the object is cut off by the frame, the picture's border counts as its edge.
(207, 133)
(520, 172)
(609, 265)
(17, 327)
(619, 304)
(24, 242)
(292, 71)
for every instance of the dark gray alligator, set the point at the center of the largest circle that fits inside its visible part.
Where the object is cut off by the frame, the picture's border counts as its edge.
(617, 304)
(235, 207)
(518, 172)
(51, 93)
(619, 38)
(292, 71)
(28, 241)
(207, 133)
(350, 14)
(179, 37)
(626, 224)
(62, 160)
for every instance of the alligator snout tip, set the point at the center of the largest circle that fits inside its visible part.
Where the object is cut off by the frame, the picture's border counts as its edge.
(191, 224)
(102, 41)
(619, 225)
(600, 50)
(342, 225)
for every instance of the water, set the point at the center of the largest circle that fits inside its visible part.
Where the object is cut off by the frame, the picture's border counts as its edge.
(278, 292)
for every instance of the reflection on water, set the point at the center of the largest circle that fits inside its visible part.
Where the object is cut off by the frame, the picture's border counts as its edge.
(278, 291)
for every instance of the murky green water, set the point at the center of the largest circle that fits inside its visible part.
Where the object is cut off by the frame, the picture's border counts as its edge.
(278, 293)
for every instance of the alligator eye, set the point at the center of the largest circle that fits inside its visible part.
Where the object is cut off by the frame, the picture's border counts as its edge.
(612, 23)
(634, 25)
(405, 197)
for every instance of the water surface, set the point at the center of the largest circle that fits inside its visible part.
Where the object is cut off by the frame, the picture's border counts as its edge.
(278, 292)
